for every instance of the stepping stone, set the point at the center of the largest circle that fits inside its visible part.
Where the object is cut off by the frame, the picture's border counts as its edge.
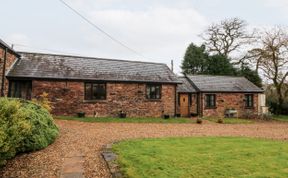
(73, 166)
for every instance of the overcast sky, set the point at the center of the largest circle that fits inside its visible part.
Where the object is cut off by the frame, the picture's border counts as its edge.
(159, 29)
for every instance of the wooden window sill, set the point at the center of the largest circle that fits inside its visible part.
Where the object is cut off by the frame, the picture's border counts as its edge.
(153, 100)
(94, 101)
(210, 107)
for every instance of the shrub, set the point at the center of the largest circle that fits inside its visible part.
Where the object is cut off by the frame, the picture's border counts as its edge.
(266, 117)
(24, 126)
(220, 120)
(249, 115)
(199, 120)
(43, 101)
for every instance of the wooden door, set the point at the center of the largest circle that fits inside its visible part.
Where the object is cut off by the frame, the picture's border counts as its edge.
(184, 105)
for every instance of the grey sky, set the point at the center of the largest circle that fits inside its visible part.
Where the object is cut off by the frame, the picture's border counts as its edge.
(159, 29)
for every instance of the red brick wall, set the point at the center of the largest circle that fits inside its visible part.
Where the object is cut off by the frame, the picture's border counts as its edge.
(68, 99)
(9, 61)
(193, 106)
(229, 100)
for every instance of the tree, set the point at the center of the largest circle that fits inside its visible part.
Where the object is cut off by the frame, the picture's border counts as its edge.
(250, 74)
(271, 57)
(194, 60)
(227, 36)
(272, 101)
(219, 65)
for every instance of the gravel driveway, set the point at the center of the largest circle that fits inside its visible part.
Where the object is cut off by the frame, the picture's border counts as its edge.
(89, 138)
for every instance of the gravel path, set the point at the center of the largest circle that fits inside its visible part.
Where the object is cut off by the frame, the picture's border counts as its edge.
(89, 139)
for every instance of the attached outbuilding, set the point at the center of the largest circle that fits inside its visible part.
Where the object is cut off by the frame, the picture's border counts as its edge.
(218, 96)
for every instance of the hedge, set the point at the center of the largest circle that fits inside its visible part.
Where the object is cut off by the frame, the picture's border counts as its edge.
(24, 127)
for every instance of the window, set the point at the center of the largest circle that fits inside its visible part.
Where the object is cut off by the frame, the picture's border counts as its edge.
(95, 91)
(20, 89)
(210, 101)
(249, 100)
(153, 91)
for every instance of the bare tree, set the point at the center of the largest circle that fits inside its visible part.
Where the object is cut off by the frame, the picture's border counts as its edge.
(227, 36)
(272, 59)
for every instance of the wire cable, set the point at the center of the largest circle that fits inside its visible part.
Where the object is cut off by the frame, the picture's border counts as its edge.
(101, 30)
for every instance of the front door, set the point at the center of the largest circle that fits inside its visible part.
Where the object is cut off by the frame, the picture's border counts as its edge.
(184, 105)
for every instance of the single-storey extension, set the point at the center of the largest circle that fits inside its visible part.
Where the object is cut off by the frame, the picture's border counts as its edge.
(206, 95)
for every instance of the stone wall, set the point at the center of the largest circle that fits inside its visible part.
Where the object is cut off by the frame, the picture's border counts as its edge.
(11, 58)
(229, 100)
(68, 99)
(193, 106)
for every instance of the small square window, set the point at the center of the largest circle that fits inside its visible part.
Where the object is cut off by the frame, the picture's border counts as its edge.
(210, 100)
(95, 91)
(249, 100)
(153, 91)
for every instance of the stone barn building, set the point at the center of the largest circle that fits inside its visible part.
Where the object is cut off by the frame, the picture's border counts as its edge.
(107, 87)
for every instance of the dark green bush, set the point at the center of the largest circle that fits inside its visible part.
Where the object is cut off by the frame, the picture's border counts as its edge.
(220, 120)
(24, 126)
(199, 120)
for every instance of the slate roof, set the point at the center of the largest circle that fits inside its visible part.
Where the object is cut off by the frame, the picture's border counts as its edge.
(51, 66)
(185, 87)
(209, 83)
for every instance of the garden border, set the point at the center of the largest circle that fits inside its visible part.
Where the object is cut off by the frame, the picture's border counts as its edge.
(110, 158)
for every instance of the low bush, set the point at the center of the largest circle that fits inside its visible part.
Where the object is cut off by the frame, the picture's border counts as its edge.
(24, 127)
(199, 120)
(220, 120)
(249, 115)
(266, 117)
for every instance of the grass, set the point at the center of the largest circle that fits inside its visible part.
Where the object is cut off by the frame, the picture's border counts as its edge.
(281, 118)
(203, 157)
(230, 120)
(128, 120)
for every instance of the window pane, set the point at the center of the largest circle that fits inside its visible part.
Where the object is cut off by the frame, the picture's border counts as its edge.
(207, 101)
(249, 100)
(20, 89)
(153, 91)
(210, 100)
(95, 91)
(88, 94)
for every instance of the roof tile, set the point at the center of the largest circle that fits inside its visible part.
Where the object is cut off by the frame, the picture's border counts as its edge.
(35, 65)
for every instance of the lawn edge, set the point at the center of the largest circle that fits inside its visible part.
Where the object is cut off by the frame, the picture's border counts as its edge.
(110, 159)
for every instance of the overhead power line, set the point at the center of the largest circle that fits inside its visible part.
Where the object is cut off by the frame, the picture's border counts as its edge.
(43, 49)
(100, 29)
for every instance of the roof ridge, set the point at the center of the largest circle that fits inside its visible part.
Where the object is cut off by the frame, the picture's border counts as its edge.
(230, 76)
(87, 57)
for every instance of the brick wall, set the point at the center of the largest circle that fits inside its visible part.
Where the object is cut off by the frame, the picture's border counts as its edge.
(68, 99)
(11, 58)
(229, 100)
(193, 106)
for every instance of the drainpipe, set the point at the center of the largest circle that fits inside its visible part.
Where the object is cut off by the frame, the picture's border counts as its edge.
(3, 72)
(175, 101)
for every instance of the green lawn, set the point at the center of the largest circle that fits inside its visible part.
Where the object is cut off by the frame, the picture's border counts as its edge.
(230, 120)
(281, 118)
(128, 120)
(203, 157)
